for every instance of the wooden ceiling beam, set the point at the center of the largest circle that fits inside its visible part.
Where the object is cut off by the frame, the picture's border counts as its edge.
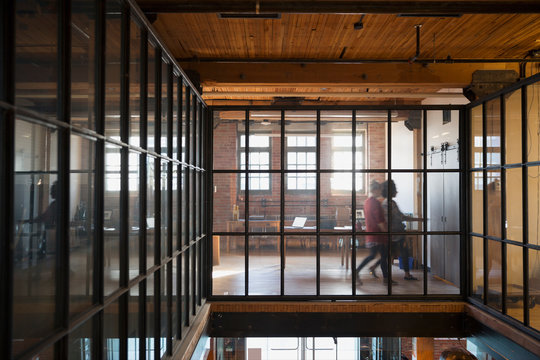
(430, 7)
(339, 75)
(324, 94)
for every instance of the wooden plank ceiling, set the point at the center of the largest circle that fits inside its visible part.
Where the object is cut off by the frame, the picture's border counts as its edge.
(323, 53)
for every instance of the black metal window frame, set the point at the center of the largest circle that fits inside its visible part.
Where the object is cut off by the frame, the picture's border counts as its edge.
(282, 233)
(191, 250)
(260, 149)
(297, 173)
(502, 168)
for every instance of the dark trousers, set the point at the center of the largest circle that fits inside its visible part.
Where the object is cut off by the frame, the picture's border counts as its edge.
(378, 249)
(402, 249)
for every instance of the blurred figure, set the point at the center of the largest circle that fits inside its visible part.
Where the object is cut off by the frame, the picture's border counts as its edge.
(375, 222)
(389, 191)
(48, 218)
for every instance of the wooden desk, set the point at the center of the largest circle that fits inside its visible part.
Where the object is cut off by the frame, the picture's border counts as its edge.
(254, 225)
(260, 226)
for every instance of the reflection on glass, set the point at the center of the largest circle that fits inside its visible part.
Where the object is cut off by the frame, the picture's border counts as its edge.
(150, 211)
(477, 269)
(111, 218)
(133, 330)
(533, 122)
(35, 51)
(228, 204)
(477, 202)
(300, 265)
(371, 126)
(46, 354)
(151, 126)
(197, 199)
(82, 63)
(176, 121)
(264, 265)
(514, 281)
(185, 97)
(407, 139)
(513, 127)
(111, 334)
(229, 141)
(192, 127)
(174, 298)
(164, 233)
(164, 107)
(35, 216)
(197, 263)
(176, 241)
(477, 160)
(533, 173)
(514, 205)
(80, 342)
(81, 216)
(150, 316)
(494, 272)
(185, 215)
(134, 83)
(184, 266)
(442, 137)
(112, 69)
(163, 310)
(493, 132)
(493, 211)
(134, 213)
(534, 271)
(337, 141)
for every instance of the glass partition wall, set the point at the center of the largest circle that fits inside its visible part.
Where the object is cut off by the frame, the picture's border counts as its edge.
(504, 172)
(102, 181)
(302, 198)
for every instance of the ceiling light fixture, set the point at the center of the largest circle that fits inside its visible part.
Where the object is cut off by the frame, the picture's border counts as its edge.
(265, 122)
(534, 53)
(359, 25)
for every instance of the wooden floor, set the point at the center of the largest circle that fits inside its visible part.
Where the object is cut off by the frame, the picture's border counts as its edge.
(300, 276)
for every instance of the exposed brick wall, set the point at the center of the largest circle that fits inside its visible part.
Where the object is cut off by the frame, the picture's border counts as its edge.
(225, 152)
(439, 345)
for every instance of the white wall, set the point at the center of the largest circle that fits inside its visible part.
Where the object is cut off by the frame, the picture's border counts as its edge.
(402, 154)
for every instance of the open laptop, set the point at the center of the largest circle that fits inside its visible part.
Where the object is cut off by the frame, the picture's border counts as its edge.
(299, 222)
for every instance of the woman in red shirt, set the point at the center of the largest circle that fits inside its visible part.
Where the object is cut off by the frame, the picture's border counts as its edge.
(375, 222)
